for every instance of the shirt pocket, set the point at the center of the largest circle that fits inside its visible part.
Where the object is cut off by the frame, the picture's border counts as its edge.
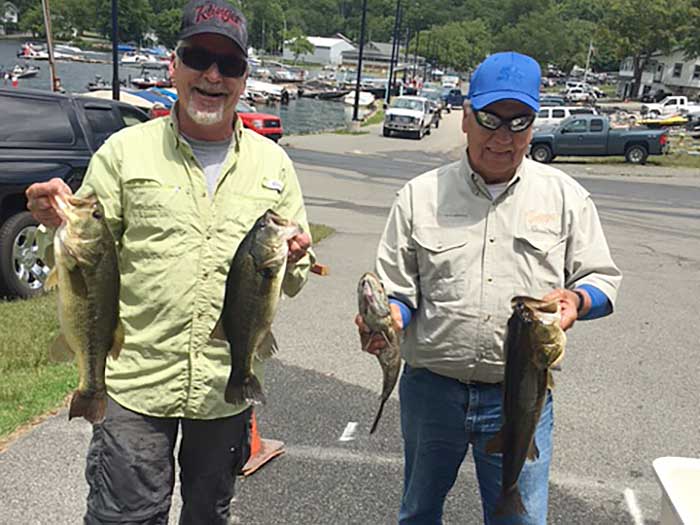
(149, 197)
(441, 254)
(543, 254)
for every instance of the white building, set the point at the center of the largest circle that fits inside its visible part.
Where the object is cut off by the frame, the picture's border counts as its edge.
(326, 50)
(671, 72)
(9, 14)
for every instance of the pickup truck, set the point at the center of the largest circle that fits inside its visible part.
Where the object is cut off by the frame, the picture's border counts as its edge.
(44, 135)
(669, 106)
(453, 98)
(592, 136)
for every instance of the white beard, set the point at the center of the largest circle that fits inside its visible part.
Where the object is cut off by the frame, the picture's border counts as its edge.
(205, 118)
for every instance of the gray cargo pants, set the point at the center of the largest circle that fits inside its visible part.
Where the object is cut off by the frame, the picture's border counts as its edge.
(131, 467)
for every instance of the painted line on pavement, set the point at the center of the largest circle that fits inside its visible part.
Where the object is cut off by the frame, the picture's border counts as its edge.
(349, 432)
(633, 506)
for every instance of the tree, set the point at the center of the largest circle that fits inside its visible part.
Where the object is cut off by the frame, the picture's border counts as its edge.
(460, 45)
(298, 43)
(639, 28)
(134, 19)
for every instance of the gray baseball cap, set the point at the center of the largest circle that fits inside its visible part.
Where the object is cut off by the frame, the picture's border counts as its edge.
(215, 16)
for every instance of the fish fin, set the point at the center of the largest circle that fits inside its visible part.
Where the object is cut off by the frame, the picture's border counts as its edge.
(117, 341)
(60, 351)
(495, 444)
(268, 348)
(510, 503)
(90, 407)
(377, 417)
(248, 391)
(550, 380)
(218, 332)
(51, 280)
(533, 452)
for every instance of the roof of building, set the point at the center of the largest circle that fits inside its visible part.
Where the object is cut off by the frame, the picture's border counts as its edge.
(322, 41)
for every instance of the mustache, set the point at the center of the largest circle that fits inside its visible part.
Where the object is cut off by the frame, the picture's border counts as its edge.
(213, 88)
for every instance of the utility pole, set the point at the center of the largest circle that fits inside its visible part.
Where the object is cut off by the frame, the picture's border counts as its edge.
(49, 42)
(415, 55)
(394, 54)
(115, 51)
(588, 60)
(425, 58)
(359, 61)
(405, 55)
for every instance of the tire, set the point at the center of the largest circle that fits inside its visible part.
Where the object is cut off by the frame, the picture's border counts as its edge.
(636, 154)
(386, 132)
(22, 273)
(654, 114)
(541, 153)
(427, 130)
(437, 123)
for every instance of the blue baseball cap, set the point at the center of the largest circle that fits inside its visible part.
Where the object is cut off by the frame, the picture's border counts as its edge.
(506, 76)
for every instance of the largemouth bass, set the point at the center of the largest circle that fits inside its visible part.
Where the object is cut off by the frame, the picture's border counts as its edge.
(534, 342)
(253, 289)
(87, 275)
(373, 305)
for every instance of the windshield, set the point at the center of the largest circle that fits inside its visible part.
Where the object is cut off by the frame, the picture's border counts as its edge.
(244, 107)
(430, 94)
(404, 103)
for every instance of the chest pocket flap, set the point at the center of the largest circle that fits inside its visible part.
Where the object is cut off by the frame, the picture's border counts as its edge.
(438, 239)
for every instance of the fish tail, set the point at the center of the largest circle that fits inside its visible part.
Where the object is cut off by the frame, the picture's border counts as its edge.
(510, 503)
(378, 416)
(248, 390)
(89, 406)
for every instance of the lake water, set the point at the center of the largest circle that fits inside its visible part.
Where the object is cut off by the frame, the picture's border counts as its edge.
(302, 115)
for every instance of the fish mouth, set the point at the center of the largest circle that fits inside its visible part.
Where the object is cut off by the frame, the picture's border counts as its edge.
(531, 309)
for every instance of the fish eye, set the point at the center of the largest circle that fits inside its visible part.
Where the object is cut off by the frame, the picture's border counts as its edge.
(97, 215)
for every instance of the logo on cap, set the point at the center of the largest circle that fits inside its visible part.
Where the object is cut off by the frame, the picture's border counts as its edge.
(209, 11)
(510, 74)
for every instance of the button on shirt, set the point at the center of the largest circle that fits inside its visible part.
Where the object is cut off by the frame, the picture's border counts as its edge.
(176, 245)
(457, 256)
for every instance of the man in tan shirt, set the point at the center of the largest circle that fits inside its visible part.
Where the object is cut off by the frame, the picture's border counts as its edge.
(460, 242)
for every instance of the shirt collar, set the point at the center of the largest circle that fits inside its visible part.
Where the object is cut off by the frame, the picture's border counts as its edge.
(476, 181)
(179, 141)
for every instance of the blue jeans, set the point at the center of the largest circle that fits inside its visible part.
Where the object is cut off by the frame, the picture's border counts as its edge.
(440, 418)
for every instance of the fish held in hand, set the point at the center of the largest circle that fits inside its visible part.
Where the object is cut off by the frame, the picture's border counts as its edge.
(86, 273)
(373, 305)
(534, 343)
(253, 290)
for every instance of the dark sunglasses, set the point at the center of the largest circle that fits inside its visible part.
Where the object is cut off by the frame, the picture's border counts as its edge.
(200, 59)
(492, 122)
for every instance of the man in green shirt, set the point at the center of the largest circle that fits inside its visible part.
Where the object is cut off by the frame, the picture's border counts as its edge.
(179, 195)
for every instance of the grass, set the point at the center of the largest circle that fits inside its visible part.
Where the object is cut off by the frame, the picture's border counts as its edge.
(32, 385)
(375, 118)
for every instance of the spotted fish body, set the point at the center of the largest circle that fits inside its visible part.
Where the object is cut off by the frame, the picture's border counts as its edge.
(87, 276)
(534, 342)
(373, 305)
(253, 289)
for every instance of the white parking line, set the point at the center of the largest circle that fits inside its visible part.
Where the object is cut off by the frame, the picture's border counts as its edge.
(633, 507)
(349, 432)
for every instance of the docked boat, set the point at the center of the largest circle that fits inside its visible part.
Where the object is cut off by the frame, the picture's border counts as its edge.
(366, 99)
(20, 71)
(99, 84)
(321, 90)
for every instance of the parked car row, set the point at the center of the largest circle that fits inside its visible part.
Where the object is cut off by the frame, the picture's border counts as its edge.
(410, 115)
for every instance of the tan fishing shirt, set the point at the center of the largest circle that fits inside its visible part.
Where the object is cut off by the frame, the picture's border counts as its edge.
(457, 257)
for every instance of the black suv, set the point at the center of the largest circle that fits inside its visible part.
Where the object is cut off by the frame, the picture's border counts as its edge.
(44, 135)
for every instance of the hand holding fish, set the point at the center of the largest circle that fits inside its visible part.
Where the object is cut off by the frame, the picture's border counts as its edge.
(568, 305)
(376, 342)
(298, 246)
(41, 201)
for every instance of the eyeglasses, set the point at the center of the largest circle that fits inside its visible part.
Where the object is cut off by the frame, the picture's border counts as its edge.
(492, 122)
(200, 59)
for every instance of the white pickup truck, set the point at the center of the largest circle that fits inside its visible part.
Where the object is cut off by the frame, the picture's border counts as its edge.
(670, 106)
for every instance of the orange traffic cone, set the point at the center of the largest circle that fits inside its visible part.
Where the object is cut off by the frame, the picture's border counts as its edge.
(261, 450)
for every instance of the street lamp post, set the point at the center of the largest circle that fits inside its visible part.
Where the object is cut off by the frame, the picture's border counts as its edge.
(359, 60)
(394, 54)
(115, 54)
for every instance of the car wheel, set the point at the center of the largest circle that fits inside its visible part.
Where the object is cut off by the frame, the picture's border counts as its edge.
(636, 154)
(386, 132)
(654, 114)
(22, 272)
(541, 153)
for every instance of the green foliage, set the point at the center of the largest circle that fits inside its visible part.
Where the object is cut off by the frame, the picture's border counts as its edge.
(298, 43)
(460, 45)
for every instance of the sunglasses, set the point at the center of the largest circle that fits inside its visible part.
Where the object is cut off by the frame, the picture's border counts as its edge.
(200, 59)
(492, 121)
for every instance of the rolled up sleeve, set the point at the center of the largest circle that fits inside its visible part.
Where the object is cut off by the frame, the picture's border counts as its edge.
(292, 207)
(396, 263)
(588, 259)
